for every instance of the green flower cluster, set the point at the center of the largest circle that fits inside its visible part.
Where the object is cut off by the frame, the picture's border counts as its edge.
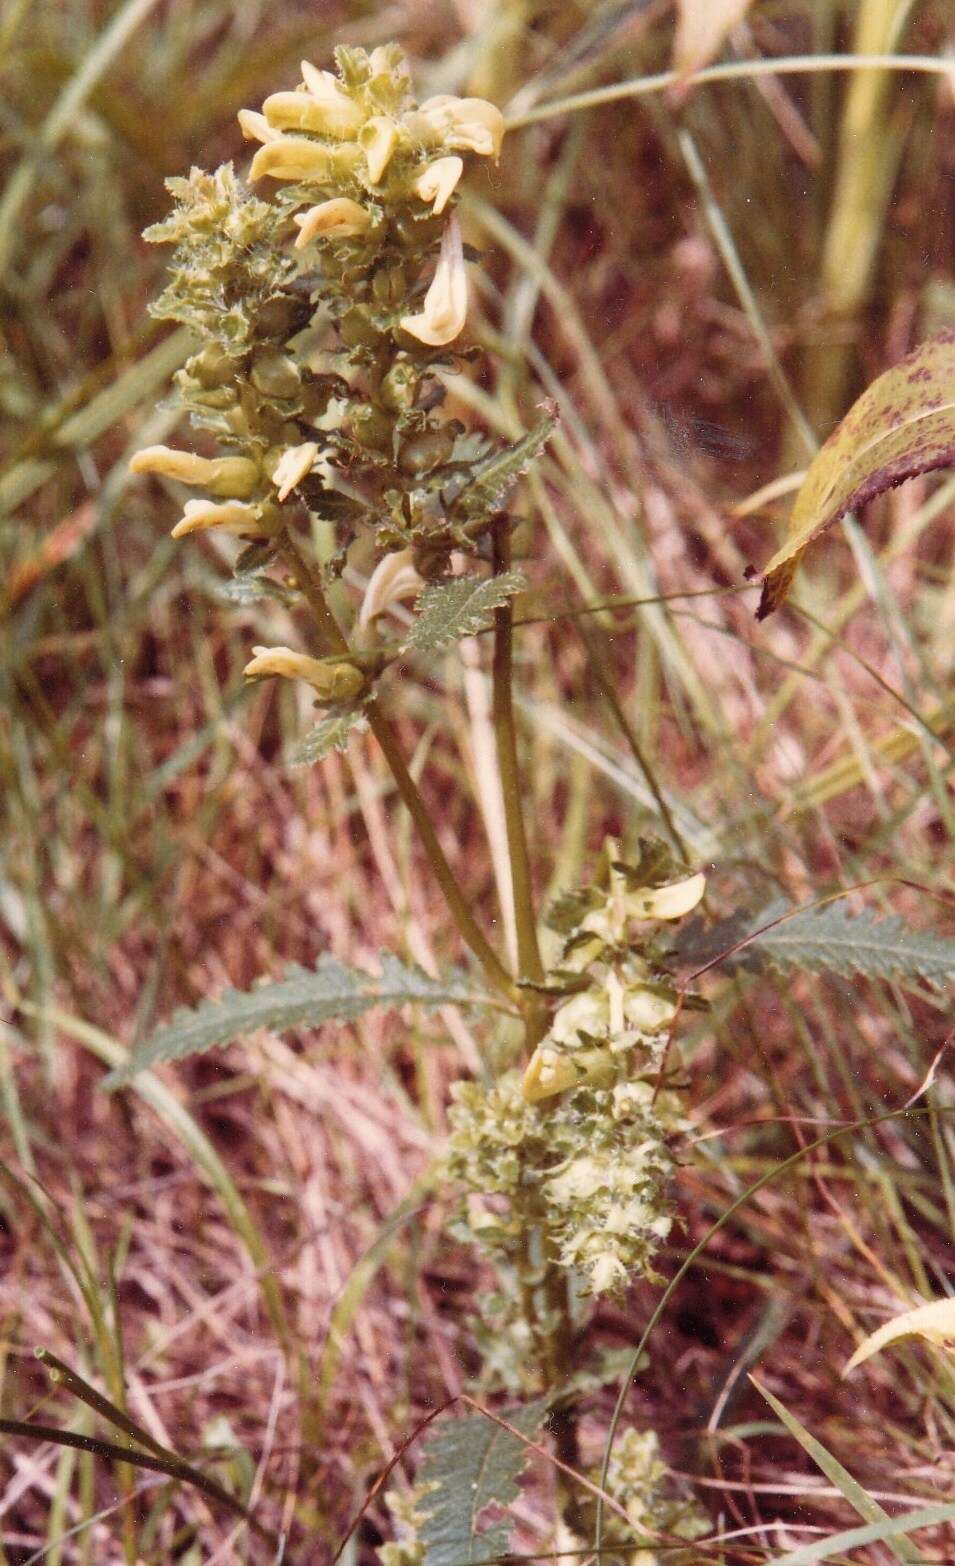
(639, 1480)
(579, 1147)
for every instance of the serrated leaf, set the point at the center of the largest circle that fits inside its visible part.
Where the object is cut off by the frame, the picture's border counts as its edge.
(252, 589)
(331, 734)
(934, 1322)
(304, 998)
(255, 557)
(472, 1463)
(827, 940)
(448, 611)
(492, 483)
(701, 29)
(902, 425)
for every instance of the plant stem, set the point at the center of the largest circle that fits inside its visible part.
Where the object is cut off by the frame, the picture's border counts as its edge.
(505, 734)
(334, 641)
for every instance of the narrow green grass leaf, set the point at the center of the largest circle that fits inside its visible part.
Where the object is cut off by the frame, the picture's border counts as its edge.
(471, 1463)
(304, 998)
(872, 1533)
(448, 611)
(848, 1487)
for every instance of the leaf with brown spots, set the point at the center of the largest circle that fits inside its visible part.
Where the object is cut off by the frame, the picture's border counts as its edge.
(902, 425)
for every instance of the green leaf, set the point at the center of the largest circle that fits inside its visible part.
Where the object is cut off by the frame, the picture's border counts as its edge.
(331, 734)
(447, 611)
(902, 425)
(492, 483)
(826, 940)
(848, 1487)
(469, 1464)
(304, 998)
(872, 1533)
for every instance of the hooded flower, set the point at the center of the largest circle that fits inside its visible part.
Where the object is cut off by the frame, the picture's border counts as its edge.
(445, 308)
(462, 124)
(379, 138)
(297, 158)
(232, 516)
(339, 218)
(334, 679)
(235, 477)
(394, 578)
(294, 465)
(438, 181)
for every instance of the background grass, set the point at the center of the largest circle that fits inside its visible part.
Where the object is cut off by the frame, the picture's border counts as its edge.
(241, 1255)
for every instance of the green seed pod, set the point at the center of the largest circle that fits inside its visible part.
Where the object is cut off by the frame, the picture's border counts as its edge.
(357, 330)
(389, 286)
(275, 374)
(400, 385)
(211, 367)
(426, 451)
(371, 426)
(276, 319)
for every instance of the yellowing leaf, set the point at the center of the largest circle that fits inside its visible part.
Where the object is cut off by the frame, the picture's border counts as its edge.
(903, 425)
(935, 1322)
(701, 29)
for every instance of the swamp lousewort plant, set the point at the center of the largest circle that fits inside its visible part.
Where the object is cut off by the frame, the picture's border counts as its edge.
(329, 306)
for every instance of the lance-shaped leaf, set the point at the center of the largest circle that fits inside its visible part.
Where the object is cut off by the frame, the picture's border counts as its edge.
(701, 28)
(447, 611)
(935, 1323)
(903, 425)
(824, 940)
(304, 998)
(486, 492)
(469, 1464)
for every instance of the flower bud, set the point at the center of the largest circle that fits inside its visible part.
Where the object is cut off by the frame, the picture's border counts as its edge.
(339, 218)
(445, 307)
(232, 516)
(232, 476)
(437, 182)
(334, 679)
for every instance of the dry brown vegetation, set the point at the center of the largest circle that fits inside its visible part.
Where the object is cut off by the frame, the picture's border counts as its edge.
(271, 1210)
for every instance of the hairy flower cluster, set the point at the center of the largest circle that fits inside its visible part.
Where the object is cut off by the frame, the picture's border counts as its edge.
(325, 304)
(580, 1144)
(639, 1480)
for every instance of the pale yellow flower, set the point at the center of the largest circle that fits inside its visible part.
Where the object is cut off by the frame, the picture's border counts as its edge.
(293, 465)
(548, 1071)
(332, 680)
(332, 115)
(394, 578)
(231, 516)
(667, 902)
(327, 91)
(437, 182)
(465, 124)
(235, 477)
(255, 127)
(296, 158)
(340, 218)
(379, 138)
(445, 307)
